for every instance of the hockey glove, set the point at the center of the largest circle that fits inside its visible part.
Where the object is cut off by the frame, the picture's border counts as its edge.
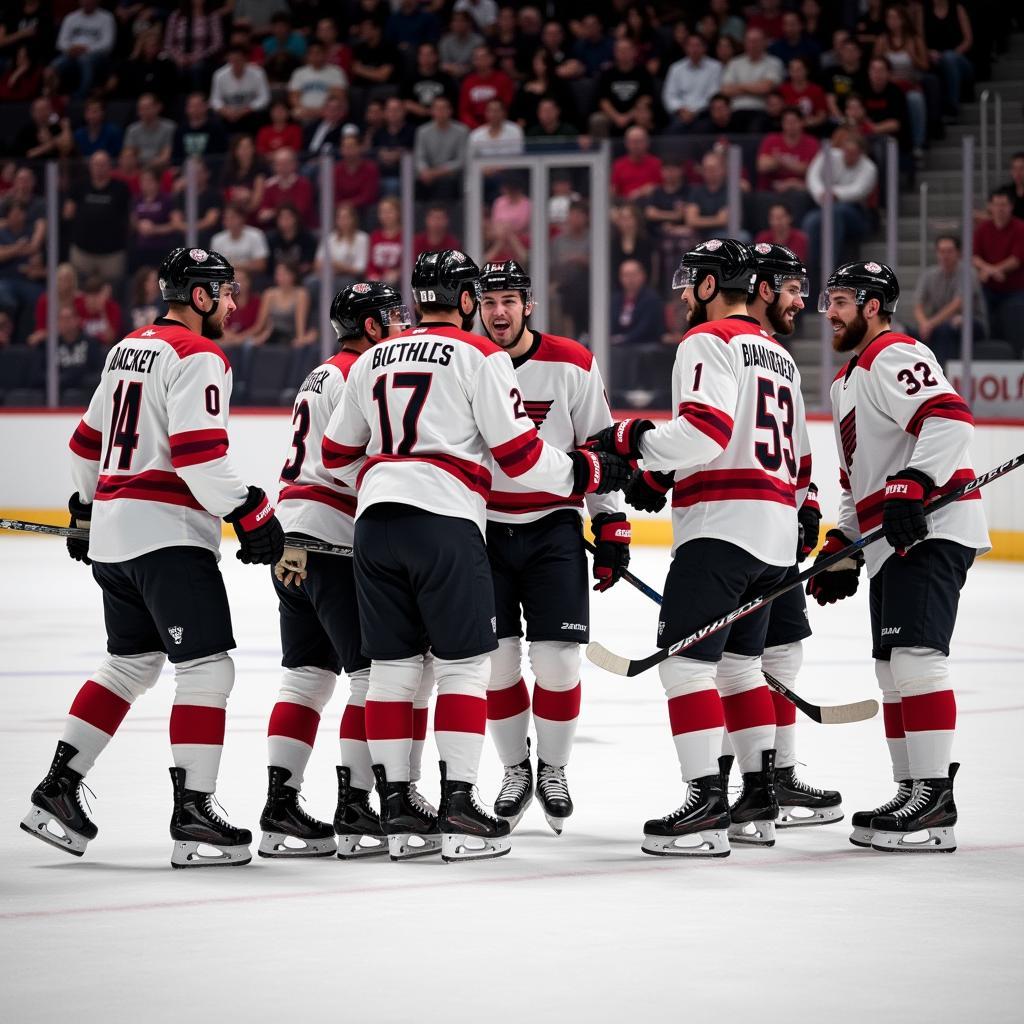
(622, 438)
(809, 520)
(292, 567)
(903, 519)
(598, 472)
(839, 580)
(611, 538)
(81, 514)
(258, 530)
(647, 490)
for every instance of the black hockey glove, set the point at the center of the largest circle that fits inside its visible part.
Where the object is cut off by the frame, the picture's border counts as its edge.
(647, 490)
(809, 520)
(841, 579)
(622, 438)
(258, 530)
(611, 538)
(81, 514)
(903, 519)
(598, 472)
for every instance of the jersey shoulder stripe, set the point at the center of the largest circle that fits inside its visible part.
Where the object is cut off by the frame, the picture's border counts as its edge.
(556, 349)
(727, 329)
(344, 361)
(878, 345)
(184, 342)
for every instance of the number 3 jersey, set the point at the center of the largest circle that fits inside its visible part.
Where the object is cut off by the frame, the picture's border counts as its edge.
(893, 409)
(151, 451)
(738, 445)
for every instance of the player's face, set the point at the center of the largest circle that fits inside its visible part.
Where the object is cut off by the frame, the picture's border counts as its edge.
(696, 312)
(782, 313)
(213, 326)
(503, 314)
(847, 320)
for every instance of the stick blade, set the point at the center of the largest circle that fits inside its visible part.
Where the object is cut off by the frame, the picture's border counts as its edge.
(843, 714)
(608, 660)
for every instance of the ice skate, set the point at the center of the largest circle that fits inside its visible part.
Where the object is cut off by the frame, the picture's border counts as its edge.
(930, 810)
(468, 832)
(553, 791)
(863, 832)
(356, 823)
(202, 838)
(288, 831)
(803, 805)
(753, 815)
(57, 816)
(412, 831)
(699, 828)
(516, 793)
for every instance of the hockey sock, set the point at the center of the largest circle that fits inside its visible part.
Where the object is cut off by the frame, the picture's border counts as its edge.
(460, 714)
(929, 709)
(748, 708)
(695, 715)
(556, 698)
(355, 754)
(892, 716)
(197, 718)
(389, 700)
(295, 719)
(419, 719)
(508, 703)
(783, 661)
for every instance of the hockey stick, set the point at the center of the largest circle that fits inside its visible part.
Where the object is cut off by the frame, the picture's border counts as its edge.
(828, 714)
(616, 663)
(76, 533)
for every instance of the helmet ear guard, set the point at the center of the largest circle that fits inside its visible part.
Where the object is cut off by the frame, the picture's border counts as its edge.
(870, 280)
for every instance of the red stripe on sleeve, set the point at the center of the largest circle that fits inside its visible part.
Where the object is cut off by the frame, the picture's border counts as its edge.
(944, 407)
(459, 712)
(694, 712)
(712, 422)
(337, 456)
(193, 447)
(518, 455)
(844, 480)
(193, 724)
(85, 442)
(803, 477)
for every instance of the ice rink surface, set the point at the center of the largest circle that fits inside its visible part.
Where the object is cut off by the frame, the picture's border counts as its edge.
(581, 927)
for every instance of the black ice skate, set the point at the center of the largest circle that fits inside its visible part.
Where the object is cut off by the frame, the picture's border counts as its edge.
(699, 828)
(356, 823)
(753, 815)
(930, 809)
(516, 793)
(288, 831)
(863, 833)
(553, 791)
(802, 805)
(411, 829)
(202, 838)
(468, 832)
(57, 816)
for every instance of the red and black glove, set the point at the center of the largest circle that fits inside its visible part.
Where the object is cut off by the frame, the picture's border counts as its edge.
(598, 472)
(81, 514)
(839, 580)
(258, 529)
(903, 519)
(611, 538)
(809, 520)
(622, 438)
(647, 490)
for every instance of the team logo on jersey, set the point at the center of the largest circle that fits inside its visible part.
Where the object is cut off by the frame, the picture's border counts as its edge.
(199, 255)
(361, 289)
(149, 334)
(872, 268)
(177, 632)
(538, 411)
(762, 248)
(711, 245)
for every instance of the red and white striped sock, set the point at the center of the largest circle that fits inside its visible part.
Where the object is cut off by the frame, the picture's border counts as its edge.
(389, 736)
(420, 715)
(355, 754)
(291, 734)
(895, 737)
(929, 720)
(750, 719)
(785, 731)
(197, 741)
(697, 726)
(460, 714)
(508, 720)
(556, 713)
(95, 714)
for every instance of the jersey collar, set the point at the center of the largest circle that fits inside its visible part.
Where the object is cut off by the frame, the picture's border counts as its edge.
(530, 352)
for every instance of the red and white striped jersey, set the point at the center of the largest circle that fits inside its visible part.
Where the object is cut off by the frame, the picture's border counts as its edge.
(425, 417)
(738, 444)
(563, 394)
(893, 409)
(151, 451)
(311, 500)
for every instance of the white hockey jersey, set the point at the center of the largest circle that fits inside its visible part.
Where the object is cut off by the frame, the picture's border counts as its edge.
(311, 500)
(738, 445)
(151, 451)
(893, 409)
(425, 417)
(561, 389)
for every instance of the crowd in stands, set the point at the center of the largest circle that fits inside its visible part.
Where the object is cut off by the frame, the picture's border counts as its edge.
(123, 93)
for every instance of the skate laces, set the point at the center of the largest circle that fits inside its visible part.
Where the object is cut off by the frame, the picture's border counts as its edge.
(802, 786)
(515, 783)
(475, 803)
(209, 804)
(918, 798)
(552, 781)
(420, 802)
(690, 801)
(80, 796)
(902, 794)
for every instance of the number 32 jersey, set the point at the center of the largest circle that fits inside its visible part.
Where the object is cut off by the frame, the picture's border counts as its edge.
(151, 451)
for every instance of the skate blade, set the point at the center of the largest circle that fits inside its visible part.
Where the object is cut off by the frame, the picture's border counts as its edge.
(514, 819)
(352, 847)
(189, 854)
(712, 843)
(862, 837)
(937, 840)
(408, 845)
(458, 846)
(802, 817)
(278, 844)
(45, 826)
(555, 823)
(752, 833)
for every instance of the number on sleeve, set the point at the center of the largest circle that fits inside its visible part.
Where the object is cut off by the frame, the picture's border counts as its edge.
(293, 466)
(419, 385)
(213, 400)
(697, 371)
(518, 409)
(124, 423)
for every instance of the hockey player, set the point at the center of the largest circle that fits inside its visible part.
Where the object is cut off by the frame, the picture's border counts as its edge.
(538, 561)
(319, 616)
(150, 464)
(735, 449)
(903, 435)
(422, 418)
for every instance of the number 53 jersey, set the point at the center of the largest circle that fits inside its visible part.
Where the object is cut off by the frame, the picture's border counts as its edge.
(151, 451)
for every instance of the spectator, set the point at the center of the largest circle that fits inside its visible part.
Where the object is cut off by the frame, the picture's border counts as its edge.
(426, 82)
(846, 77)
(199, 133)
(409, 24)
(748, 78)
(542, 84)
(439, 152)
(999, 261)
(690, 84)
(902, 46)
(287, 186)
(374, 58)
(152, 227)
(85, 41)
(593, 47)
(623, 88)
(808, 97)
(346, 246)
(67, 294)
(830, 58)
(795, 42)
(97, 132)
(284, 312)
(240, 91)
(780, 231)
(101, 315)
(79, 357)
(482, 84)
(148, 69)
(708, 210)
(938, 302)
(948, 38)
(46, 135)
(507, 230)
(385, 261)
(886, 104)
(356, 178)
(23, 190)
(767, 17)
(193, 40)
(629, 238)
(854, 178)
(146, 302)
(638, 172)
(99, 210)
(238, 330)
(391, 142)
(23, 78)
(290, 242)
(372, 120)
(510, 52)
(338, 53)
(436, 234)
(242, 245)
(209, 205)
(724, 22)
(483, 12)
(637, 315)
(719, 120)
(457, 46)
(497, 136)
(570, 267)
(30, 25)
(665, 207)
(550, 127)
(243, 180)
(152, 136)
(21, 268)
(283, 39)
(281, 132)
(784, 157)
(311, 84)
(1015, 187)
(552, 41)
(324, 136)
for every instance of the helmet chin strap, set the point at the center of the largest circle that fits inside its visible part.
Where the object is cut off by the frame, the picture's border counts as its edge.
(205, 316)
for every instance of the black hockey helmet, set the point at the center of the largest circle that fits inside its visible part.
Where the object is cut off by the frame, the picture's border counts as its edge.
(776, 264)
(730, 263)
(440, 278)
(184, 268)
(508, 276)
(868, 280)
(352, 305)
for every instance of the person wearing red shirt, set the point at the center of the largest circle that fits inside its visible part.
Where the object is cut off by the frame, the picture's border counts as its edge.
(287, 186)
(67, 295)
(435, 236)
(281, 133)
(638, 173)
(386, 244)
(783, 157)
(356, 179)
(780, 231)
(101, 315)
(999, 261)
(482, 84)
(768, 18)
(807, 96)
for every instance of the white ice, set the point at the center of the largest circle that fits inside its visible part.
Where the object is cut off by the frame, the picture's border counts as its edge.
(581, 927)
